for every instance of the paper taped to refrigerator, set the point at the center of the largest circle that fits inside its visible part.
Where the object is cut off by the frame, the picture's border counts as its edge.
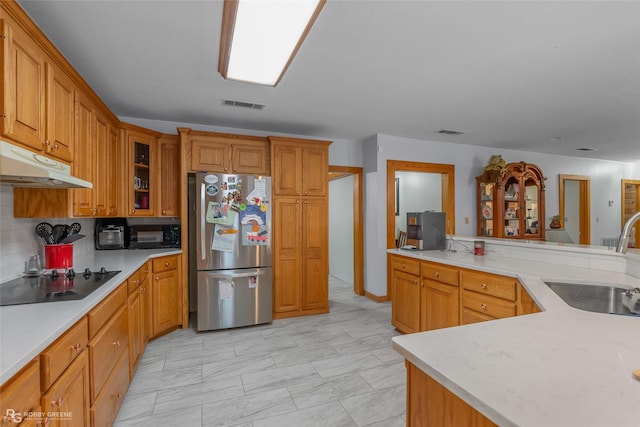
(223, 238)
(225, 289)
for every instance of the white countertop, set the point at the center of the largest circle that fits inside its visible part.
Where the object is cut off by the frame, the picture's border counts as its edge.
(562, 367)
(26, 330)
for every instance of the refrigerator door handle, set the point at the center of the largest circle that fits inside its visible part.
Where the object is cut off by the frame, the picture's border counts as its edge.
(203, 215)
(234, 275)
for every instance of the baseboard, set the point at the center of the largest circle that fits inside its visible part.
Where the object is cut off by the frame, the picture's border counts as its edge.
(376, 298)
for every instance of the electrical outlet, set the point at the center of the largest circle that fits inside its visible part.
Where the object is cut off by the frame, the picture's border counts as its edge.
(466, 220)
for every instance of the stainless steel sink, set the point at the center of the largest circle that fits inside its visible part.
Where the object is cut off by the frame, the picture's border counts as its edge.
(599, 299)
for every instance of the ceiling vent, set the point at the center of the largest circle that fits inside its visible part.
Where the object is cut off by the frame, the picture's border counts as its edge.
(242, 104)
(450, 132)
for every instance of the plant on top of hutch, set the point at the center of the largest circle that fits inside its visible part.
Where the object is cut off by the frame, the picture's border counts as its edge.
(511, 200)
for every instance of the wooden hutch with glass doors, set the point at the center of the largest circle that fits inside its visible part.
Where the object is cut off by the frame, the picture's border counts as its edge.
(511, 202)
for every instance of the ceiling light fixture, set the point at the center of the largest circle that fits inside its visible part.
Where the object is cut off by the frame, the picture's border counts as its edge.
(260, 37)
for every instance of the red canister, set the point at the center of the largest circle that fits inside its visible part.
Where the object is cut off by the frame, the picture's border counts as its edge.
(58, 256)
(478, 247)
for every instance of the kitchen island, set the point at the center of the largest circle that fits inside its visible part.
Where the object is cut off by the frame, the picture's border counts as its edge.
(26, 330)
(559, 367)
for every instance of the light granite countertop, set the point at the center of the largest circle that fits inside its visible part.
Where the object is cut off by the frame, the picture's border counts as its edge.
(26, 330)
(562, 367)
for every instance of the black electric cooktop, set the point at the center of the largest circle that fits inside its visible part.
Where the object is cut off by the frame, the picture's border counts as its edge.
(53, 286)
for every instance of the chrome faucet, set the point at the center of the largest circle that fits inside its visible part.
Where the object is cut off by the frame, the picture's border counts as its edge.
(623, 241)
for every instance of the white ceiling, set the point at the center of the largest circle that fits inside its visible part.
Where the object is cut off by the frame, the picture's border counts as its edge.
(510, 74)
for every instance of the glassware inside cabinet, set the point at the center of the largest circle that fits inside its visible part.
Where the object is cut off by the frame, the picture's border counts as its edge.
(486, 209)
(141, 176)
(532, 220)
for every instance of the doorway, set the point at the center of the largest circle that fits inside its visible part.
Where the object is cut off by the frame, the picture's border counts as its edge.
(352, 220)
(574, 191)
(630, 205)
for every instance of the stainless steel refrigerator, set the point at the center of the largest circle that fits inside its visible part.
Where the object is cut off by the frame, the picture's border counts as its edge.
(231, 272)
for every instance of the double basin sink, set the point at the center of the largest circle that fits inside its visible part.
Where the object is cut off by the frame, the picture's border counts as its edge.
(595, 298)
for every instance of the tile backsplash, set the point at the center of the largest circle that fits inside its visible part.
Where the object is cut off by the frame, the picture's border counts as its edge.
(18, 240)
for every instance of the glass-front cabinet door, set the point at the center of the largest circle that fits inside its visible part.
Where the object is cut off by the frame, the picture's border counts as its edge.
(142, 182)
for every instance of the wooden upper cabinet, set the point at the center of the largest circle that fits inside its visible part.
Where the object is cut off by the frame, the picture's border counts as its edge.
(60, 113)
(85, 155)
(113, 168)
(24, 80)
(226, 153)
(169, 149)
(143, 170)
(38, 96)
(300, 167)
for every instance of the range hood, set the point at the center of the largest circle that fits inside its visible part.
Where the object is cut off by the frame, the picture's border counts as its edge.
(23, 168)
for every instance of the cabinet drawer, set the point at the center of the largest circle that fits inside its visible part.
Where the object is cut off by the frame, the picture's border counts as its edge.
(165, 263)
(490, 284)
(487, 305)
(133, 282)
(106, 406)
(104, 311)
(440, 273)
(137, 278)
(407, 265)
(55, 359)
(105, 349)
(21, 393)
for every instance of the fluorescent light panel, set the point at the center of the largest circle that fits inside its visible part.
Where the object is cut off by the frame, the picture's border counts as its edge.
(266, 35)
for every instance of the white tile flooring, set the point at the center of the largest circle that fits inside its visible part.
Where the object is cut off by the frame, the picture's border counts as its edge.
(332, 370)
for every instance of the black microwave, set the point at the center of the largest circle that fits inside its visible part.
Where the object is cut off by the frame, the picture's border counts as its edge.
(149, 236)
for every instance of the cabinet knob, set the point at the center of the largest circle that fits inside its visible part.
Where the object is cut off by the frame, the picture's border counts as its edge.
(166, 264)
(55, 146)
(422, 284)
(483, 286)
(415, 281)
(133, 211)
(59, 401)
(141, 291)
(437, 274)
(157, 278)
(484, 306)
(75, 347)
(164, 212)
(116, 343)
(118, 395)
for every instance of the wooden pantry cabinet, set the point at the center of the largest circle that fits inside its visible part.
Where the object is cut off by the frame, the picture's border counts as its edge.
(300, 226)
(429, 404)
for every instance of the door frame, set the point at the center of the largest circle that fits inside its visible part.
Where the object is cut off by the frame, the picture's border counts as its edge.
(624, 183)
(336, 172)
(584, 205)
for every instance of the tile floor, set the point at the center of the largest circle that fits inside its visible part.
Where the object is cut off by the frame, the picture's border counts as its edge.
(332, 370)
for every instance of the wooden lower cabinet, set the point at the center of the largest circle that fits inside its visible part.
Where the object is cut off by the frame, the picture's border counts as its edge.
(106, 407)
(165, 294)
(428, 295)
(67, 401)
(425, 295)
(406, 308)
(21, 395)
(429, 404)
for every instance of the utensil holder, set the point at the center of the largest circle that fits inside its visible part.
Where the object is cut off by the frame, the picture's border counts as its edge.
(58, 256)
